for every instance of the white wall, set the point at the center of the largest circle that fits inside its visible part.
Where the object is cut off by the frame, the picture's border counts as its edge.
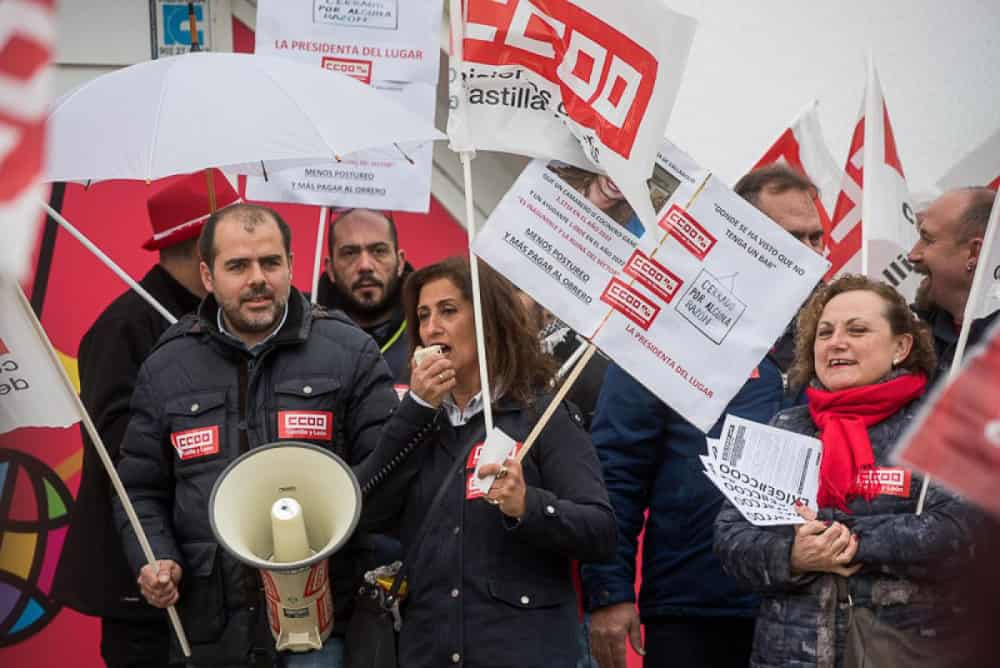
(755, 63)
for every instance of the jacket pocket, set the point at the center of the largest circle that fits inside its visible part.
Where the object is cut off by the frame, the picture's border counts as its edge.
(305, 410)
(197, 429)
(528, 595)
(202, 602)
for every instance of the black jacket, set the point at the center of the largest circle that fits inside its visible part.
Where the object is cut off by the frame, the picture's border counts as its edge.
(480, 587)
(391, 336)
(194, 379)
(910, 563)
(93, 576)
(946, 335)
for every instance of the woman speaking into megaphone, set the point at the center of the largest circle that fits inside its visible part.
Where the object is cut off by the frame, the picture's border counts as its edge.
(488, 566)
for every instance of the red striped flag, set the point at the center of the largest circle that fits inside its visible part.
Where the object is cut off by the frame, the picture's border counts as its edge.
(27, 32)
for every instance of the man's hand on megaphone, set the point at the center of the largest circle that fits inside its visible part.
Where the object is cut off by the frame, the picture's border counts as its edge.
(508, 490)
(432, 379)
(159, 586)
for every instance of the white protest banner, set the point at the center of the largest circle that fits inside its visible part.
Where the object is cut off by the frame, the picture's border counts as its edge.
(688, 307)
(802, 147)
(27, 32)
(589, 82)
(956, 436)
(980, 167)
(32, 390)
(764, 471)
(874, 224)
(984, 297)
(391, 45)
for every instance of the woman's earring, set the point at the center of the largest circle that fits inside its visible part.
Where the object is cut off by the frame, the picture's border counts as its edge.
(895, 362)
(970, 267)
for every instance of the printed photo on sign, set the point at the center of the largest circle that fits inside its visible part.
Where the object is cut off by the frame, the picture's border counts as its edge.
(173, 27)
(604, 194)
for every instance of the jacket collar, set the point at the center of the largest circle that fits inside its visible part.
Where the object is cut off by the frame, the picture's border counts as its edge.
(296, 327)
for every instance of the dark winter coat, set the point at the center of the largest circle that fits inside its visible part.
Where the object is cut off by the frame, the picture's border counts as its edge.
(485, 590)
(93, 576)
(946, 335)
(650, 456)
(198, 377)
(909, 562)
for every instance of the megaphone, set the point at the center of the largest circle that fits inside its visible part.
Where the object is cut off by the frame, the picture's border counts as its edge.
(284, 508)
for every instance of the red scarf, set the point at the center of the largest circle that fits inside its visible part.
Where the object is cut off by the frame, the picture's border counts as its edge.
(843, 418)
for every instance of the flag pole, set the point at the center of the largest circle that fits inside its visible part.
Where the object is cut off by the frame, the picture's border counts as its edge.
(872, 115)
(457, 19)
(109, 466)
(979, 282)
(109, 263)
(320, 237)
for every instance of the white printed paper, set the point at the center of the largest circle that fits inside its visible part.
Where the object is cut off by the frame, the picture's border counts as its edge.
(764, 471)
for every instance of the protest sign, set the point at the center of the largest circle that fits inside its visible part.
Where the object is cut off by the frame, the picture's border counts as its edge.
(588, 82)
(956, 436)
(389, 44)
(764, 471)
(980, 167)
(874, 225)
(688, 306)
(33, 392)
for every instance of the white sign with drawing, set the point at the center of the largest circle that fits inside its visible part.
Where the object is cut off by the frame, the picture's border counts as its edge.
(688, 308)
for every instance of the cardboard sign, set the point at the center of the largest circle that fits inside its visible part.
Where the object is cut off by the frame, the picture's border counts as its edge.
(688, 306)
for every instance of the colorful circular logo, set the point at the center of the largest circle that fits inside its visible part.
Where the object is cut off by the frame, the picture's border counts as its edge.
(34, 517)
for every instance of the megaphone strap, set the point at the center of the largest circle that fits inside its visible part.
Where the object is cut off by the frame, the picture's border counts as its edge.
(392, 597)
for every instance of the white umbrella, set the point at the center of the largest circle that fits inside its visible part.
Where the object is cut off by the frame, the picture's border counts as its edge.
(185, 113)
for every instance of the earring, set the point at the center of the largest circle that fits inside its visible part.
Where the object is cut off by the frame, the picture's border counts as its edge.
(970, 267)
(895, 362)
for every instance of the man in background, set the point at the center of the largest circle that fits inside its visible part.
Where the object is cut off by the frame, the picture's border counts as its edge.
(364, 273)
(93, 577)
(947, 252)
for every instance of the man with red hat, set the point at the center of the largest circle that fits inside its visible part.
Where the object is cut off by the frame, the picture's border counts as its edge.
(93, 576)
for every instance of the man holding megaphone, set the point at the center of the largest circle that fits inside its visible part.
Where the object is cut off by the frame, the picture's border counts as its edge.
(255, 365)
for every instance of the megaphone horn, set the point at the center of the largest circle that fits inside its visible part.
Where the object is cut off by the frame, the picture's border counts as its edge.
(284, 508)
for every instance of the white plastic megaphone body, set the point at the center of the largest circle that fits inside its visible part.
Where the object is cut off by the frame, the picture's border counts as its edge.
(284, 508)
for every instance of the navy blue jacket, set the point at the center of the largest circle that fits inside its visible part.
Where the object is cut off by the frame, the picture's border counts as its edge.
(650, 458)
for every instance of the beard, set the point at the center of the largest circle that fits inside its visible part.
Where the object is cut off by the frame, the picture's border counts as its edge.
(922, 299)
(369, 309)
(253, 323)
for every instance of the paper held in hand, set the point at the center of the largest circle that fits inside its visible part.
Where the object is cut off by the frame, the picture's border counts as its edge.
(764, 470)
(498, 447)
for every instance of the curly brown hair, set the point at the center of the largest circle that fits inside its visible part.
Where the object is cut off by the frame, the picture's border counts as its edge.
(897, 312)
(515, 357)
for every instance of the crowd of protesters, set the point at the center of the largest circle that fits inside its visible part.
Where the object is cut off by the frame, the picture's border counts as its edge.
(541, 568)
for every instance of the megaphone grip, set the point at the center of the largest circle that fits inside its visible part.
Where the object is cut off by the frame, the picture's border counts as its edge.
(289, 528)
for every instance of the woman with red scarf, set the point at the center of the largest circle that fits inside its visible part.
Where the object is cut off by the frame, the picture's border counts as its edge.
(865, 360)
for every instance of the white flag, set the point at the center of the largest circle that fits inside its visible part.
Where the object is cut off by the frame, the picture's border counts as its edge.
(27, 31)
(874, 224)
(34, 392)
(802, 146)
(589, 82)
(980, 167)
(985, 295)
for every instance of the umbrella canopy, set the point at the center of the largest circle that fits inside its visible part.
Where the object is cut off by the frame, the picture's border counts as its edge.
(228, 110)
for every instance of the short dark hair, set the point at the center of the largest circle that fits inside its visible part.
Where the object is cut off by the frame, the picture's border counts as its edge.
(972, 223)
(775, 179)
(180, 251)
(346, 212)
(253, 214)
(901, 321)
